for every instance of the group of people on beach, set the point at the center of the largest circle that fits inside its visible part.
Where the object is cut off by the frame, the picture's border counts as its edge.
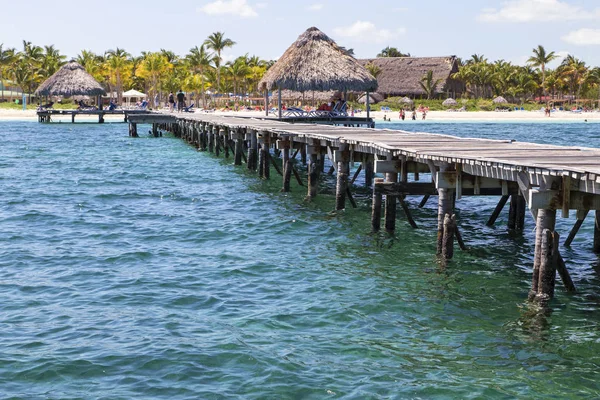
(402, 115)
(180, 104)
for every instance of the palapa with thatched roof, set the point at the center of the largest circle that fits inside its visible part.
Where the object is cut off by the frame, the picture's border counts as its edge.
(71, 80)
(374, 98)
(499, 100)
(401, 76)
(316, 62)
(294, 96)
(450, 102)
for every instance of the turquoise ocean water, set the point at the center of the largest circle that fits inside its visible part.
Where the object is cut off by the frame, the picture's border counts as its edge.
(141, 268)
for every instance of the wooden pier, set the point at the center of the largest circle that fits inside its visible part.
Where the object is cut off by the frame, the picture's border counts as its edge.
(45, 116)
(535, 179)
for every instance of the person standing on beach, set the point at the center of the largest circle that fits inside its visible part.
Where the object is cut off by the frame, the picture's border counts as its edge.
(414, 115)
(180, 100)
(171, 102)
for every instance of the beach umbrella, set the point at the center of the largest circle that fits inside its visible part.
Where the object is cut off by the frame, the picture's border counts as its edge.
(374, 98)
(499, 100)
(71, 80)
(450, 102)
(316, 62)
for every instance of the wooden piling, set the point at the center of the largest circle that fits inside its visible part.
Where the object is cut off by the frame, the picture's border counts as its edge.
(376, 206)
(155, 130)
(369, 168)
(546, 220)
(547, 268)
(265, 157)
(239, 150)
(287, 166)
(253, 152)
(313, 169)
(390, 203)
(449, 227)
(445, 206)
(424, 200)
(520, 213)
(512, 212)
(343, 170)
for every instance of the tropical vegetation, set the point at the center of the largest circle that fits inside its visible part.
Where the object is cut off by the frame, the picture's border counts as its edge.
(198, 72)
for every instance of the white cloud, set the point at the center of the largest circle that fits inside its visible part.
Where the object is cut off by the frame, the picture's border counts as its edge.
(536, 10)
(583, 37)
(262, 5)
(366, 31)
(315, 7)
(239, 8)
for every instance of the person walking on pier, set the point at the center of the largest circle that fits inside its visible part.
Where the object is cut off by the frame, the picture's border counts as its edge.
(171, 102)
(180, 101)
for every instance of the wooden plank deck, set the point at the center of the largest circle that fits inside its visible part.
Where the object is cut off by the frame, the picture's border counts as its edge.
(483, 157)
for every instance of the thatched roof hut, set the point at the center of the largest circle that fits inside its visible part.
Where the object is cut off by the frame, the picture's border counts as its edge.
(499, 100)
(316, 62)
(400, 76)
(71, 80)
(450, 102)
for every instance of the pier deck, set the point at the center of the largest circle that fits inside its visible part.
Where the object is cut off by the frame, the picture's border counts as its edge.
(46, 115)
(540, 177)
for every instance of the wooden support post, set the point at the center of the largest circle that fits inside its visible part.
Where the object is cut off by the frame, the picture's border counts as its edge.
(350, 197)
(512, 212)
(101, 118)
(459, 238)
(547, 269)
(376, 207)
(239, 151)
(313, 169)
(565, 277)
(424, 200)
(445, 206)
(287, 166)
(73, 118)
(343, 170)
(356, 174)
(369, 166)
(133, 129)
(597, 232)
(224, 135)
(581, 214)
(407, 212)
(520, 213)
(253, 152)
(266, 157)
(211, 140)
(154, 130)
(303, 154)
(390, 202)
(546, 220)
(497, 210)
(449, 227)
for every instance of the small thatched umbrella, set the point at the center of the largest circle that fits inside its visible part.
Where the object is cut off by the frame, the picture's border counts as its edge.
(450, 102)
(406, 100)
(374, 98)
(499, 100)
(316, 62)
(71, 80)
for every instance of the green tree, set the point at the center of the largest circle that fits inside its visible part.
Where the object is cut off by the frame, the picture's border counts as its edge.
(199, 60)
(218, 42)
(7, 57)
(429, 85)
(392, 52)
(117, 62)
(373, 69)
(540, 59)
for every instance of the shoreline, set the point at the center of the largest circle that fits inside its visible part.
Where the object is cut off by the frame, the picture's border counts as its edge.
(432, 116)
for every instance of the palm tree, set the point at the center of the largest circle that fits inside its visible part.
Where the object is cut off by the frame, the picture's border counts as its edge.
(153, 68)
(218, 42)
(392, 52)
(51, 62)
(199, 60)
(574, 71)
(7, 57)
(117, 62)
(238, 71)
(428, 84)
(373, 69)
(539, 59)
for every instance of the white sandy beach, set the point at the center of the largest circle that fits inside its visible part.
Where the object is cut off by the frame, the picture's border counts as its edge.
(479, 116)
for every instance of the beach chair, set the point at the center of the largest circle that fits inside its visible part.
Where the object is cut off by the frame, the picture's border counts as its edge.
(294, 112)
(342, 110)
(189, 109)
(143, 106)
(44, 107)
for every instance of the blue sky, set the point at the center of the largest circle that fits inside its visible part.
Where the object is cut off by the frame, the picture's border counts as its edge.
(504, 29)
